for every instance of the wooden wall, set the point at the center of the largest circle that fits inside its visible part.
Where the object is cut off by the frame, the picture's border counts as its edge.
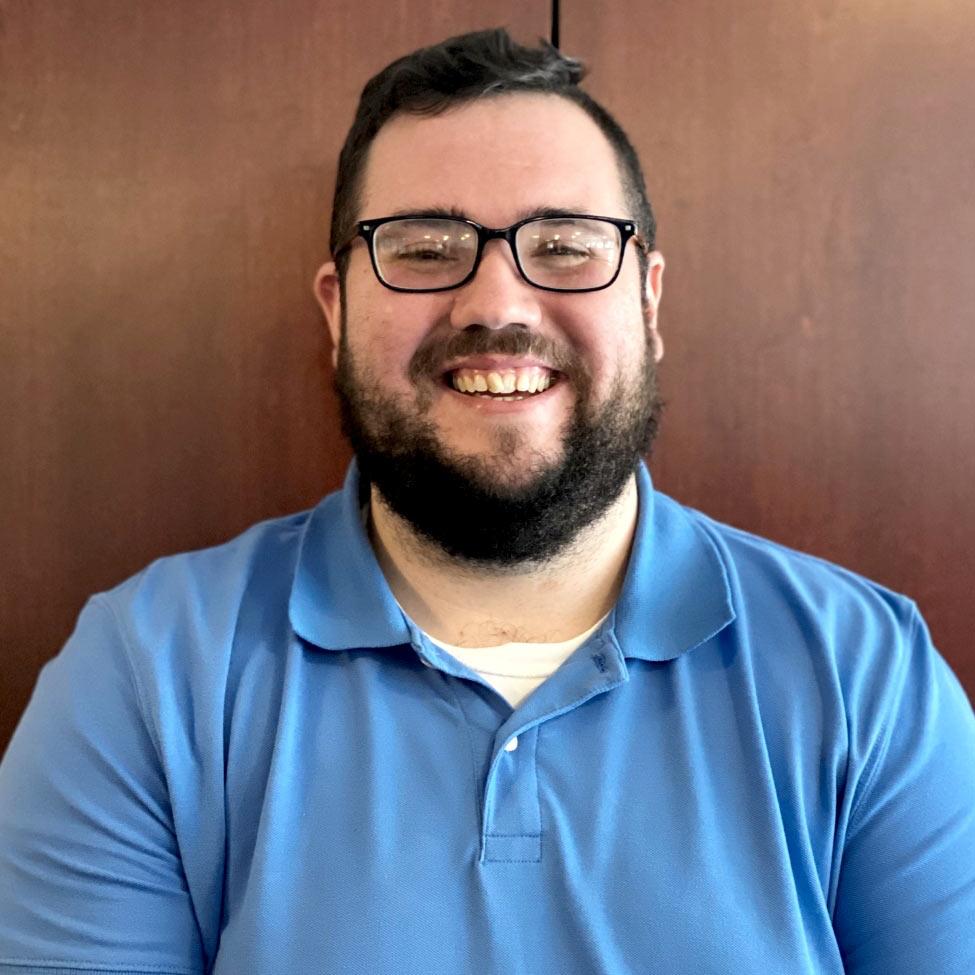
(812, 165)
(166, 172)
(165, 176)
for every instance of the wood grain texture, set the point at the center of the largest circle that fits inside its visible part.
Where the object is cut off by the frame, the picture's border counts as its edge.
(166, 173)
(811, 167)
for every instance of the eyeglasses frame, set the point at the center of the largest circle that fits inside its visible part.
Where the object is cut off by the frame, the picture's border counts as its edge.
(366, 229)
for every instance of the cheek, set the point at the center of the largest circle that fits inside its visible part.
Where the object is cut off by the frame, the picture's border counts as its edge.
(385, 329)
(611, 337)
(376, 319)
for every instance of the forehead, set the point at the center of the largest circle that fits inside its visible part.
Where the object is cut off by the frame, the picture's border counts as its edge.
(495, 159)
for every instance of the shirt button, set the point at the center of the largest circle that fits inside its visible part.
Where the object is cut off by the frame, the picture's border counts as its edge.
(512, 745)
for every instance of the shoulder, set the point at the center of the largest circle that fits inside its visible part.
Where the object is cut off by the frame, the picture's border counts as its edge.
(766, 574)
(188, 621)
(813, 630)
(211, 583)
(831, 655)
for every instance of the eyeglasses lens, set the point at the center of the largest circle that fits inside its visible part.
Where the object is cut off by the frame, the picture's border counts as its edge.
(564, 253)
(424, 254)
(569, 253)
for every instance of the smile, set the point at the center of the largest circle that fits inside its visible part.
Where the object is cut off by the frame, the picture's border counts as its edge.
(529, 381)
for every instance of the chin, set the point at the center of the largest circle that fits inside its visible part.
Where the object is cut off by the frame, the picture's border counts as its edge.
(507, 469)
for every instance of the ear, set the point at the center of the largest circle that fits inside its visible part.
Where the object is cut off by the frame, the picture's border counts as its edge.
(328, 294)
(653, 289)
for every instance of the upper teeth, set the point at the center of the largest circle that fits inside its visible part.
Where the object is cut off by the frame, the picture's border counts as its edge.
(526, 380)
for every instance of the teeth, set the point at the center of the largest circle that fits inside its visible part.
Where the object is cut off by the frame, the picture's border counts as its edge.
(502, 383)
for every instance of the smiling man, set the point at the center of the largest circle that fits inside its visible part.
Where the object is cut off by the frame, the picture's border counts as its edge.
(498, 387)
(498, 705)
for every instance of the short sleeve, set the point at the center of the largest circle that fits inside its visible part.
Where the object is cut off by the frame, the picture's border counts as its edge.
(906, 895)
(90, 871)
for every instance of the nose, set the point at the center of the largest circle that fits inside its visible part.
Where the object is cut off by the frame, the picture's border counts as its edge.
(497, 295)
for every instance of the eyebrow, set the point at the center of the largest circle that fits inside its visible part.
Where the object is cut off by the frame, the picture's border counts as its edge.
(456, 213)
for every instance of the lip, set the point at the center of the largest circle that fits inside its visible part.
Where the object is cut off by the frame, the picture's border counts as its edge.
(497, 363)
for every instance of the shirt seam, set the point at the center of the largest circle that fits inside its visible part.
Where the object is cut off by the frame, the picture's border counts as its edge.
(872, 768)
(144, 710)
(152, 731)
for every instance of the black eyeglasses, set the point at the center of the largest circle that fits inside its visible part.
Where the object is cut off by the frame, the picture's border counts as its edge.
(567, 252)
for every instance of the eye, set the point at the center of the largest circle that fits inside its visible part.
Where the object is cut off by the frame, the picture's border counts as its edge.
(568, 244)
(424, 252)
(416, 247)
(558, 250)
(561, 248)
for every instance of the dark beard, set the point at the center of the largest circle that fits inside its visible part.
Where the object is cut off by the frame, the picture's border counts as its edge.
(457, 503)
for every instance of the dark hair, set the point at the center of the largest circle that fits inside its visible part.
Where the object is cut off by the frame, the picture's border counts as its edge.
(461, 69)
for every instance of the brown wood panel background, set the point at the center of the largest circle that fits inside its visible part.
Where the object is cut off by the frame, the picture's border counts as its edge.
(166, 172)
(811, 164)
(165, 177)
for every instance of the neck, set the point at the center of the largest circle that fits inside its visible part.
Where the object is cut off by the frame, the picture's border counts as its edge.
(545, 602)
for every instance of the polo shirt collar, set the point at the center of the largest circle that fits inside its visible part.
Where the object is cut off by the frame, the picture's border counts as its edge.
(340, 599)
(675, 593)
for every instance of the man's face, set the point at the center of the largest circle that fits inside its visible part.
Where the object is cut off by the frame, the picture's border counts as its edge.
(496, 480)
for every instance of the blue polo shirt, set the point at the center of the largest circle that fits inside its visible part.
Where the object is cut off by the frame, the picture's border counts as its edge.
(247, 760)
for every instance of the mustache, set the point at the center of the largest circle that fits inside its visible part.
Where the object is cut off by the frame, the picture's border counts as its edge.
(513, 340)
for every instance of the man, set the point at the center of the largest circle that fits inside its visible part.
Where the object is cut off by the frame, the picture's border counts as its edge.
(497, 706)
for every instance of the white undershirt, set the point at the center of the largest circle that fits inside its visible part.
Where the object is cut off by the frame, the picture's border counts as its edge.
(514, 670)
